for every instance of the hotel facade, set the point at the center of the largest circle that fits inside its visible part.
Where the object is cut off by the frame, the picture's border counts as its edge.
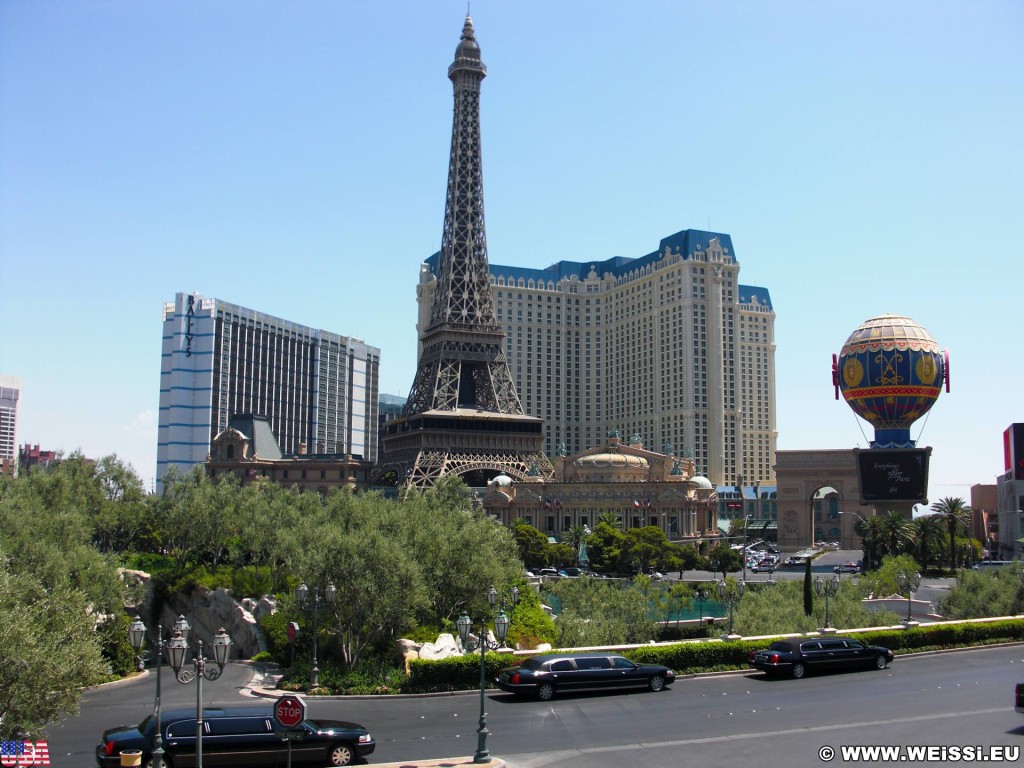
(669, 347)
(318, 390)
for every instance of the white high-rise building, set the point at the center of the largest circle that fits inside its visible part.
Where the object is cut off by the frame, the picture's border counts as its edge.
(318, 389)
(669, 347)
(10, 391)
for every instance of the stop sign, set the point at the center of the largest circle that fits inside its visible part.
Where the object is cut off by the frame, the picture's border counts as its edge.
(289, 711)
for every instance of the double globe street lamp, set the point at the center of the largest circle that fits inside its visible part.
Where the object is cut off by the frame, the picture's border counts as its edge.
(829, 588)
(302, 594)
(501, 624)
(177, 652)
(731, 594)
(909, 583)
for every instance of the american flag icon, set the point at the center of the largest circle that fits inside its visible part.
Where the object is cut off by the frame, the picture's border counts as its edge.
(24, 753)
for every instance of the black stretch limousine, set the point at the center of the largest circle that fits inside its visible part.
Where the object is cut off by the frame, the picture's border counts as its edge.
(241, 736)
(543, 676)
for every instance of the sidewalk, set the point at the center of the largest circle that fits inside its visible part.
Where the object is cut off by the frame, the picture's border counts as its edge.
(449, 762)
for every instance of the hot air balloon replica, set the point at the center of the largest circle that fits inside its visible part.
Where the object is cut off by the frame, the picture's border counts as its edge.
(890, 372)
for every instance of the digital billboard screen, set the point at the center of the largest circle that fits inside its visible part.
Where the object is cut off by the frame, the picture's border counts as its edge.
(897, 474)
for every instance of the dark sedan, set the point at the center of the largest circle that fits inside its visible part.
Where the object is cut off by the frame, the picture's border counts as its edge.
(797, 657)
(545, 675)
(236, 736)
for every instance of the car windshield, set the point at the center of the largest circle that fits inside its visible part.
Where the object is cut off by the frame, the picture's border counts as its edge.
(780, 646)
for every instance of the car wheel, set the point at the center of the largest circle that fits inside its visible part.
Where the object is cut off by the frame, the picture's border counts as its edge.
(656, 683)
(799, 670)
(341, 754)
(545, 691)
(881, 661)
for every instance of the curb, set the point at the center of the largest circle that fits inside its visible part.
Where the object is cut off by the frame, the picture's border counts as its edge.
(449, 762)
(273, 693)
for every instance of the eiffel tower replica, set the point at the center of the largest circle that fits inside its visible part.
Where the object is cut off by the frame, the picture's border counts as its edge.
(463, 415)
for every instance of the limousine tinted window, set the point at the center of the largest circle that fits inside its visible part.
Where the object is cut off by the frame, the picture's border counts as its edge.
(234, 726)
(562, 665)
(596, 662)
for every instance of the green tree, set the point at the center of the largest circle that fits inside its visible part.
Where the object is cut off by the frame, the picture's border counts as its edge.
(380, 586)
(48, 653)
(928, 532)
(599, 612)
(610, 519)
(869, 530)
(689, 558)
(725, 559)
(885, 580)
(957, 515)
(118, 510)
(576, 537)
(561, 555)
(461, 551)
(604, 546)
(644, 548)
(530, 623)
(894, 532)
(532, 546)
(981, 594)
(778, 608)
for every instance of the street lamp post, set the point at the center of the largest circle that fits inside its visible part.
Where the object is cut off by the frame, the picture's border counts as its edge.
(301, 594)
(745, 521)
(730, 596)
(701, 596)
(501, 624)
(829, 588)
(177, 649)
(137, 637)
(910, 583)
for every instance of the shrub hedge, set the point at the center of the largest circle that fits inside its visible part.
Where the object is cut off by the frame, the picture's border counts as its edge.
(463, 672)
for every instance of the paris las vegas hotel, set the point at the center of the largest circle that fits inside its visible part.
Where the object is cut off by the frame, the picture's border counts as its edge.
(669, 347)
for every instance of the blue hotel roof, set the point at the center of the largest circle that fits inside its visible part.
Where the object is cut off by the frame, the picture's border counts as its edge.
(687, 243)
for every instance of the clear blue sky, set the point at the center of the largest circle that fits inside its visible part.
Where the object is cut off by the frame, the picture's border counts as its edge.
(291, 157)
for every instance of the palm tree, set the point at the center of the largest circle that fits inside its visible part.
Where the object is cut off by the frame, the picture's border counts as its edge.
(956, 514)
(868, 529)
(928, 533)
(575, 536)
(610, 518)
(894, 533)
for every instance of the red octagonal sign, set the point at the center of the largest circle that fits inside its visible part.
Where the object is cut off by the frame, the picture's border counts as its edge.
(289, 711)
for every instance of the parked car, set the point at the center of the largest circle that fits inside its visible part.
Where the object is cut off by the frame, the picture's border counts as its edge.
(848, 567)
(763, 567)
(545, 675)
(547, 572)
(793, 562)
(797, 657)
(236, 736)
